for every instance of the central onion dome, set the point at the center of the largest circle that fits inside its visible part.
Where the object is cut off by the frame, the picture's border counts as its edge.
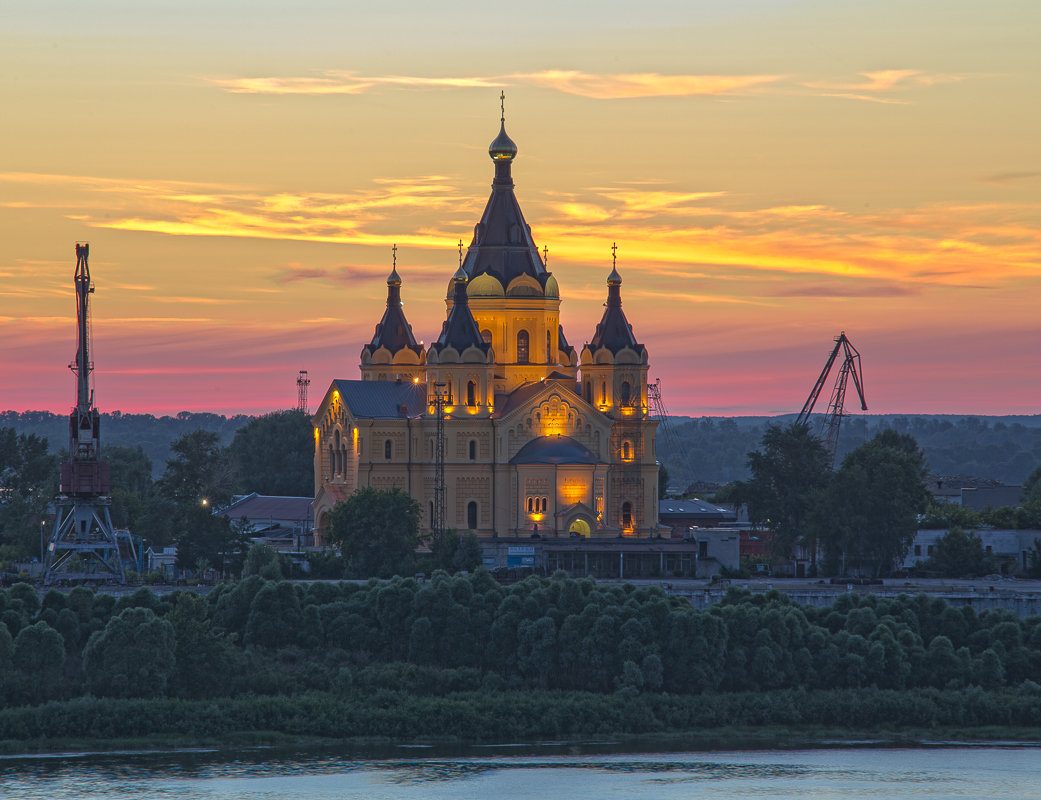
(503, 148)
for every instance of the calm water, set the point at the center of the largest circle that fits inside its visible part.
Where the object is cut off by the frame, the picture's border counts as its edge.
(987, 773)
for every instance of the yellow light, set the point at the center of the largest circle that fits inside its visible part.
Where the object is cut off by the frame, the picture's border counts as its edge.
(354, 436)
(316, 435)
(415, 379)
(473, 410)
(573, 492)
(537, 517)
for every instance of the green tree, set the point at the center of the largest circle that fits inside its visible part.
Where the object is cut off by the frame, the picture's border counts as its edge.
(198, 471)
(131, 493)
(959, 554)
(873, 503)
(210, 538)
(274, 455)
(133, 656)
(789, 476)
(377, 531)
(28, 482)
(203, 658)
(1032, 486)
(262, 560)
(38, 657)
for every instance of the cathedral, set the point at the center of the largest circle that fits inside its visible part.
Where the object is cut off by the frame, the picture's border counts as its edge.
(499, 426)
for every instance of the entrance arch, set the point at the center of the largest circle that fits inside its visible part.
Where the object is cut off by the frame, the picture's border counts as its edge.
(579, 527)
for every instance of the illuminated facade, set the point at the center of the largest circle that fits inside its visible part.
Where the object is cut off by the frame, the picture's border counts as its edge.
(537, 437)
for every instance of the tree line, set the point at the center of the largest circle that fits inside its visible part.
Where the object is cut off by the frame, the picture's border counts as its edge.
(1005, 449)
(269, 637)
(270, 455)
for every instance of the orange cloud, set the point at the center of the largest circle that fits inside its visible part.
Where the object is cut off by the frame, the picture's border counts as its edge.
(584, 84)
(646, 84)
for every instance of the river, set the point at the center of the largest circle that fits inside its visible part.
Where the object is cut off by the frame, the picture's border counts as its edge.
(560, 771)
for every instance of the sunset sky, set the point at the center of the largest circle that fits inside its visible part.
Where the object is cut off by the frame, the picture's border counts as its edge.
(773, 173)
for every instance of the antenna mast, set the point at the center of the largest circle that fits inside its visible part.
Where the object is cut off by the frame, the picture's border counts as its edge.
(302, 382)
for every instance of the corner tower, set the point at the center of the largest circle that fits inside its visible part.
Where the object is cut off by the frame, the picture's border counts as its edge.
(514, 299)
(393, 354)
(614, 379)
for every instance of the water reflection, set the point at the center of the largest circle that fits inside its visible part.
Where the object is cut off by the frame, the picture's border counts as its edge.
(996, 773)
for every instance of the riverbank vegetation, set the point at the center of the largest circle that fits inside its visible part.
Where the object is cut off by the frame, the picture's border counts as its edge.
(466, 657)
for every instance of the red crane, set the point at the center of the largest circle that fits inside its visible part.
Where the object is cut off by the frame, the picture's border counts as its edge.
(84, 546)
(832, 420)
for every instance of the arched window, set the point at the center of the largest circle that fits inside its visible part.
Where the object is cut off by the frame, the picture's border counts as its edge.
(388, 449)
(522, 347)
(473, 450)
(627, 451)
(543, 505)
(471, 515)
(332, 461)
(486, 336)
(531, 505)
(431, 513)
(549, 349)
(626, 391)
(627, 514)
(589, 392)
(471, 393)
(603, 393)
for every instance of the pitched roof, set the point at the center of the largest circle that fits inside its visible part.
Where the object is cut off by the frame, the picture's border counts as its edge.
(502, 244)
(614, 331)
(383, 399)
(692, 509)
(460, 330)
(393, 331)
(260, 507)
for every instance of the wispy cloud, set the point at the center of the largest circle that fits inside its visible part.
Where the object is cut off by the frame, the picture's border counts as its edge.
(1010, 178)
(870, 86)
(584, 84)
(645, 84)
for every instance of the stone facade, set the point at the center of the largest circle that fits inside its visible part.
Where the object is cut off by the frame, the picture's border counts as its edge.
(537, 438)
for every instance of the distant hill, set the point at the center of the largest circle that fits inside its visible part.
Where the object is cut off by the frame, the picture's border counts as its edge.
(153, 434)
(707, 449)
(715, 449)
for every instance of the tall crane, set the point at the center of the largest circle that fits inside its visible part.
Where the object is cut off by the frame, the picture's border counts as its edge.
(832, 420)
(84, 544)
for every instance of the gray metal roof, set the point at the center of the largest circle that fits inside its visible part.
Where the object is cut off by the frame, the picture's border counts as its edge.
(554, 450)
(383, 399)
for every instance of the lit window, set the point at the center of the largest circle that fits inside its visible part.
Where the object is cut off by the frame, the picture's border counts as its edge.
(627, 515)
(522, 347)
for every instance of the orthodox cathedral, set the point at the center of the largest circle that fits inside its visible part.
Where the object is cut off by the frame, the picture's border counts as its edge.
(499, 426)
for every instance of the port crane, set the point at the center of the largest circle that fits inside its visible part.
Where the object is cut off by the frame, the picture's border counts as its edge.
(831, 421)
(84, 545)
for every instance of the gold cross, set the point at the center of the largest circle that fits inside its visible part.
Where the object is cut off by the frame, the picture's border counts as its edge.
(460, 252)
(502, 105)
(394, 250)
(614, 254)
(545, 255)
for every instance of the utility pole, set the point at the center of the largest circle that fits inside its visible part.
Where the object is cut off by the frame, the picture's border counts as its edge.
(440, 401)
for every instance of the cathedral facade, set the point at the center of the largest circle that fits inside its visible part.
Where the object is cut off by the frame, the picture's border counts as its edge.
(533, 436)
